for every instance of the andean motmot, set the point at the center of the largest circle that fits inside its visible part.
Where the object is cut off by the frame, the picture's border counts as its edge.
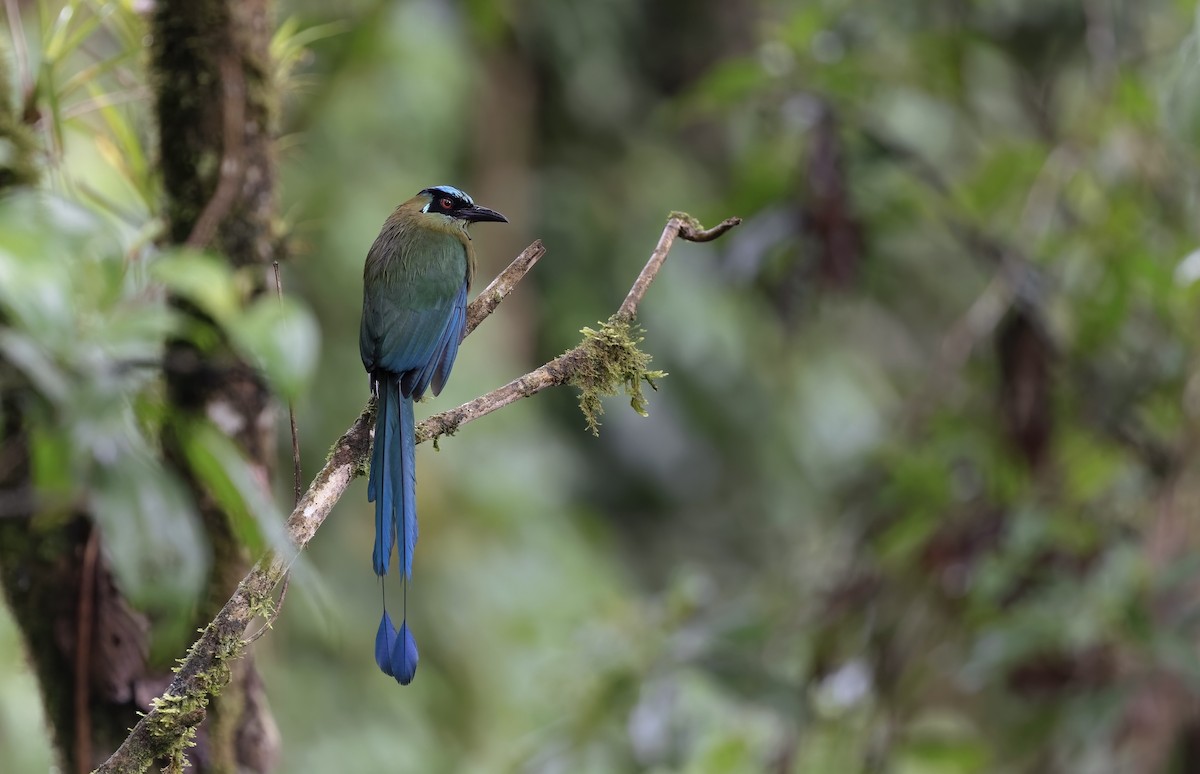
(414, 315)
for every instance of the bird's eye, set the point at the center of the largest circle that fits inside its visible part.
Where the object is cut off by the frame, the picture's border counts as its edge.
(446, 204)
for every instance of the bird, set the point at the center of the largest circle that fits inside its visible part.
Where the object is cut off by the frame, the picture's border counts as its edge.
(415, 282)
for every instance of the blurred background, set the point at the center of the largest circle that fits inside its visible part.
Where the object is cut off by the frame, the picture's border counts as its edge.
(919, 492)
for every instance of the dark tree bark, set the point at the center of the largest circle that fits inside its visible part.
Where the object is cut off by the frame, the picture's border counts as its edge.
(214, 98)
(211, 72)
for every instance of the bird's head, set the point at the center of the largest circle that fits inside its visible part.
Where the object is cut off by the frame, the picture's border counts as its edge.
(453, 205)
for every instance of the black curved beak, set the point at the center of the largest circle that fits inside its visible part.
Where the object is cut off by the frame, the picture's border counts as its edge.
(477, 214)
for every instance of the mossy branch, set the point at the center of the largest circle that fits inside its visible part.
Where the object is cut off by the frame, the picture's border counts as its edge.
(612, 362)
(605, 361)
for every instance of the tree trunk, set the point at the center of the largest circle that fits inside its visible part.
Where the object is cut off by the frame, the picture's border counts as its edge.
(211, 72)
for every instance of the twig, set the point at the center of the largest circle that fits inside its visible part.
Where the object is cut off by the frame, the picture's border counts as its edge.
(297, 484)
(681, 225)
(498, 289)
(232, 169)
(83, 652)
(297, 474)
(203, 672)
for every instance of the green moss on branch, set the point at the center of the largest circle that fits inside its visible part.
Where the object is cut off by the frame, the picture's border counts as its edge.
(611, 361)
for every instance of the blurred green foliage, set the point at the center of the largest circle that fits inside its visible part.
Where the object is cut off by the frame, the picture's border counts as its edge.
(917, 494)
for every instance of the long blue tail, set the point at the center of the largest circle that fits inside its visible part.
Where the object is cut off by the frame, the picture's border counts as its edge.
(392, 487)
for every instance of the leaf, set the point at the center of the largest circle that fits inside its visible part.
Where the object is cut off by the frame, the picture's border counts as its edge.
(125, 151)
(155, 545)
(282, 339)
(35, 293)
(204, 280)
(230, 478)
(50, 461)
(35, 363)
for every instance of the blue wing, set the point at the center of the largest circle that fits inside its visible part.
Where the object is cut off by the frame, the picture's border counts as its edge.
(437, 370)
(418, 344)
